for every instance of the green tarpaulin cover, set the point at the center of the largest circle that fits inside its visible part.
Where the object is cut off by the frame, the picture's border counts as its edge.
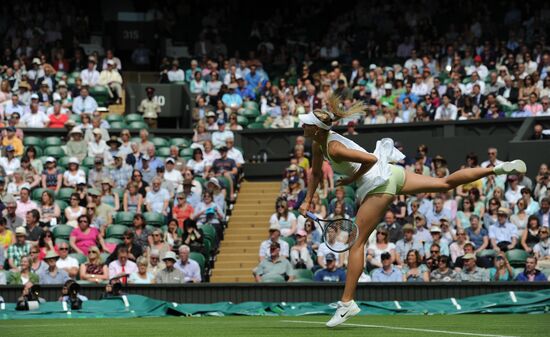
(140, 306)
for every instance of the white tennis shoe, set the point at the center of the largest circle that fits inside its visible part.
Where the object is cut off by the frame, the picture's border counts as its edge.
(511, 167)
(344, 311)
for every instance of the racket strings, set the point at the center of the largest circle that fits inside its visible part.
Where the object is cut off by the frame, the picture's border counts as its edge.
(340, 234)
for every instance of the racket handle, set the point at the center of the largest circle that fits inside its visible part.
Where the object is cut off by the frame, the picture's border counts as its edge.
(312, 216)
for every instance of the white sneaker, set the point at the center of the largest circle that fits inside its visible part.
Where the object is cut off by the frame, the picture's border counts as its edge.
(511, 167)
(343, 313)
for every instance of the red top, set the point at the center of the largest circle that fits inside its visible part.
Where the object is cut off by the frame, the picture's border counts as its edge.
(58, 121)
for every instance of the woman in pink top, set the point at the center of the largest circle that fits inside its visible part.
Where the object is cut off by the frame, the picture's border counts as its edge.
(83, 237)
(533, 106)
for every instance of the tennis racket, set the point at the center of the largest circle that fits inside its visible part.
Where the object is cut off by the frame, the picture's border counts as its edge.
(339, 235)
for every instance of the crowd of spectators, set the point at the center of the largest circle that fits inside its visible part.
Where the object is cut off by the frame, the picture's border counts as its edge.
(493, 229)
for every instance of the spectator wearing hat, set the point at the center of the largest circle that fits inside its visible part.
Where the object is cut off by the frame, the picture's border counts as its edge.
(503, 234)
(150, 108)
(170, 274)
(190, 269)
(121, 172)
(114, 148)
(35, 118)
(331, 273)
(211, 121)
(274, 264)
(407, 243)
(24, 274)
(221, 135)
(13, 140)
(388, 272)
(98, 146)
(57, 113)
(76, 146)
(73, 173)
(84, 103)
(25, 204)
(10, 163)
(53, 275)
(111, 79)
(470, 248)
(471, 272)
(291, 171)
(18, 249)
(502, 270)
(90, 76)
(437, 238)
(300, 256)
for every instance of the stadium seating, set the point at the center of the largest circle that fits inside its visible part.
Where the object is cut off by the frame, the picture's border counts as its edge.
(516, 257)
(62, 232)
(154, 219)
(115, 231)
(124, 218)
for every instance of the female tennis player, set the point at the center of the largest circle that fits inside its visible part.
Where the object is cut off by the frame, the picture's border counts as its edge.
(378, 181)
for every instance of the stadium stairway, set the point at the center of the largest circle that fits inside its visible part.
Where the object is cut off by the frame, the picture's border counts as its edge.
(247, 228)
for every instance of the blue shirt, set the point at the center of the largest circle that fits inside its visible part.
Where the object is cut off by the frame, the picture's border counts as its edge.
(231, 100)
(411, 96)
(477, 239)
(245, 92)
(539, 276)
(325, 275)
(254, 80)
(156, 199)
(379, 275)
(503, 232)
(433, 217)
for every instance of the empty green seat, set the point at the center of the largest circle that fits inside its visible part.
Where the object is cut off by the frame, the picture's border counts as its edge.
(154, 219)
(62, 231)
(186, 152)
(256, 126)
(56, 152)
(124, 218)
(251, 113)
(159, 142)
(303, 273)
(517, 257)
(114, 241)
(75, 118)
(291, 242)
(114, 118)
(133, 118)
(51, 141)
(119, 192)
(81, 258)
(250, 105)
(138, 125)
(487, 252)
(62, 204)
(273, 279)
(180, 142)
(163, 152)
(118, 125)
(242, 120)
(116, 231)
(32, 140)
(199, 258)
(37, 193)
(261, 119)
(63, 161)
(65, 193)
(88, 162)
(209, 232)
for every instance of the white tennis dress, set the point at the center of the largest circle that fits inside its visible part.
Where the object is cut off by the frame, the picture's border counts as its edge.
(379, 174)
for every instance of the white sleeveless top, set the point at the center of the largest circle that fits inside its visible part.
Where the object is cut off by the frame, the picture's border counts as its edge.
(379, 174)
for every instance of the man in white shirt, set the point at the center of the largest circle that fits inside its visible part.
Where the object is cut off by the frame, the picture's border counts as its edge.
(475, 81)
(274, 236)
(234, 153)
(492, 153)
(190, 269)
(413, 60)
(84, 102)
(446, 111)
(36, 118)
(9, 163)
(111, 78)
(171, 175)
(176, 74)
(66, 262)
(478, 67)
(90, 76)
(14, 105)
(419, 88)
(220, 136)
(122, 267)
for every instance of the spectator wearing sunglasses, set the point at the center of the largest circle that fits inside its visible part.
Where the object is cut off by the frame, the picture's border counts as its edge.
(443, 272)
(66, 262)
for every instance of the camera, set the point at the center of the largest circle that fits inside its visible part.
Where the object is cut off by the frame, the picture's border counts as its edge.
(72, 288)
(30, 299)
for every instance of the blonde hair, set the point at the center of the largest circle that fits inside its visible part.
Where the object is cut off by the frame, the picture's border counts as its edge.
(334, 111)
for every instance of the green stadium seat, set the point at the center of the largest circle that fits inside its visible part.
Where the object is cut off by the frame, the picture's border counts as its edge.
(199, 258)
(59, 241)
(65, 193)
(62, 231)
(487, 252)
(517, 257)
(88, 162)
(210, 232)
(115, 231)
(186, 152)
(243, 121)
(180, 142)
(120, 192)
(32, 140)
(256, 125)
(76, 118)
(63, 161)
(52, 141)
(37, 193)
(81, 258)
(136, 140)
(138, 125)
(261, 119)
(154, 219)
(225, 184)
(250, 105)
(163, 152)
(273, 279)
(114, 118)
(74, 74)
(290, 240)
(118, 125)
(251, 113)
(133, 118)
(62, 204)
(114, 241)
(105, 256)
(303, 274)
(56, 152)
(39, 151)
(59, 74)
(124, 218)
(302, 280)
(159, 142)
(207, 243)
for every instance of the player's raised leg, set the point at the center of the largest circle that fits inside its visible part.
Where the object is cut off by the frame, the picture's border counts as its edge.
(368, 215)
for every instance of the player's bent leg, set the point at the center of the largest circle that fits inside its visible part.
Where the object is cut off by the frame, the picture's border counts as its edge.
(370, 211)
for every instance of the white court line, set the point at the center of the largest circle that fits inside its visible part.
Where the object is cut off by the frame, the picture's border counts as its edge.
(403, 328)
